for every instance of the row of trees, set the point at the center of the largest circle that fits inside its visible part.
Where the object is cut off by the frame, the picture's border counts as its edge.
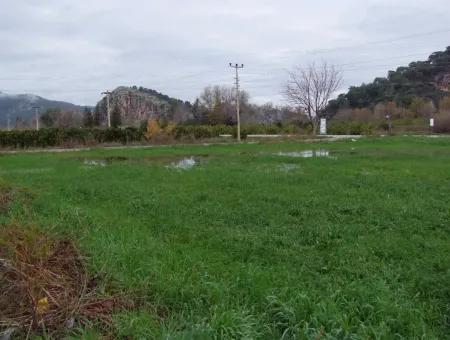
(217, 105)
(307, 91)
(58, 118)
(418, 108)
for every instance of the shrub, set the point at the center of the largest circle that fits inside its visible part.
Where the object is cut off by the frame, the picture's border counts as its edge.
(442, 124)
(351, 128)
(58, 137)
(153, 129)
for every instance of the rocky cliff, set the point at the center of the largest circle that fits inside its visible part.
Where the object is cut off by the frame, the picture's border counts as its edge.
(137, 104)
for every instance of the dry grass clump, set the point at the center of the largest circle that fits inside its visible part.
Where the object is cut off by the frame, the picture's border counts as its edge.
(44, 285)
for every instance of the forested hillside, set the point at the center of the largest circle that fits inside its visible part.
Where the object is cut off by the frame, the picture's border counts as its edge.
(429, 80)
(20, 108)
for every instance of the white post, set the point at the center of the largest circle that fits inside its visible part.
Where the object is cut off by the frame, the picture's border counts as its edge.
(323, 126)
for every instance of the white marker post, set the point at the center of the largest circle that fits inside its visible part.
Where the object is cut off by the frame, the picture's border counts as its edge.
(431, 122)
(323, 126)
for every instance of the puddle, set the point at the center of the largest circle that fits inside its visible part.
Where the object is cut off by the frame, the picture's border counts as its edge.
(184, 164)
(95, 162)
(102, 161)
(172, 162)
(305, 154)
(157, 159)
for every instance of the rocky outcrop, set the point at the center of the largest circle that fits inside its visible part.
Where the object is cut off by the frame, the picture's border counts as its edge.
(137, 104)
(443, 82)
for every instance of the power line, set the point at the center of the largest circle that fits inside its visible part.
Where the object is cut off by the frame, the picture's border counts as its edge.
(424, 66)
(380, 42)
(381, 59)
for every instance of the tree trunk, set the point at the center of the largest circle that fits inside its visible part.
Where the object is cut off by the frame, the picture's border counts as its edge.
(315, 125)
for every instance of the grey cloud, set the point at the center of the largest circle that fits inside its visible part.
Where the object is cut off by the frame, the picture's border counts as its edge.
(72, 50)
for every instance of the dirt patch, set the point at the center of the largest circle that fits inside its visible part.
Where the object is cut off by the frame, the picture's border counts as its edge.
(45, 287)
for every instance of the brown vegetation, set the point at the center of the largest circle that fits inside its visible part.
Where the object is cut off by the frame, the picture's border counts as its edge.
(44, 285)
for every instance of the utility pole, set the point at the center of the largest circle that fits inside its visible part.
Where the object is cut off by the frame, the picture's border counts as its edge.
(108, 113)
(36, 116)
(238, 118)
(9, 123)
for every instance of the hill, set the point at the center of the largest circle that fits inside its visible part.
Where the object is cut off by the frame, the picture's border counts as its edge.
(22, 106)
(428, 79)
(136, 104)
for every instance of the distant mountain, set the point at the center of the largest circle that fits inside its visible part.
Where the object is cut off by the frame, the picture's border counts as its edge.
(136, 104)
(22, 106)
(428, 79)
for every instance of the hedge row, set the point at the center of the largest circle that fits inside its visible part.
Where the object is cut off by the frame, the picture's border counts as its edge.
(213, 131)
(53, 137)
(351, 128)
(442, 125)
(59, 137)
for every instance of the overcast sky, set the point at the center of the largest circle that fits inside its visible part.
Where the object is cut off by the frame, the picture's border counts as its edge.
(72, 50)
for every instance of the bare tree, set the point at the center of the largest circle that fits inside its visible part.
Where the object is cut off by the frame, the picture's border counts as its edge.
(309, 89)
(218, 102)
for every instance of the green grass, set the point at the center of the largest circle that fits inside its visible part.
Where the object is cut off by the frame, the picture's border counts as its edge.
(252, 245)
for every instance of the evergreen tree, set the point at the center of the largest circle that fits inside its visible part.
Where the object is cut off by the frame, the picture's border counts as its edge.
(98, 115)
(49, 117)
(116, 117)
(88, 118)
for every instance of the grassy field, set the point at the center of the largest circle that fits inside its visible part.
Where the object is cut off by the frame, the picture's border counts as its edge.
(253, 244)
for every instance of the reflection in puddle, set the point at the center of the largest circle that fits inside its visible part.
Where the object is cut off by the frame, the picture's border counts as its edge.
(102, 161)
(94, 162)
(305, 154)
(184, 164)
(171, 162)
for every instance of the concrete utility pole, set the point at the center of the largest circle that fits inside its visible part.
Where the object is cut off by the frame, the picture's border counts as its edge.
(36, 116)
(238, 118)
(108, 113)
(9, 123)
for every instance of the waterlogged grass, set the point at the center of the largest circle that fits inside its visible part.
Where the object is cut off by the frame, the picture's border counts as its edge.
(253, 243)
